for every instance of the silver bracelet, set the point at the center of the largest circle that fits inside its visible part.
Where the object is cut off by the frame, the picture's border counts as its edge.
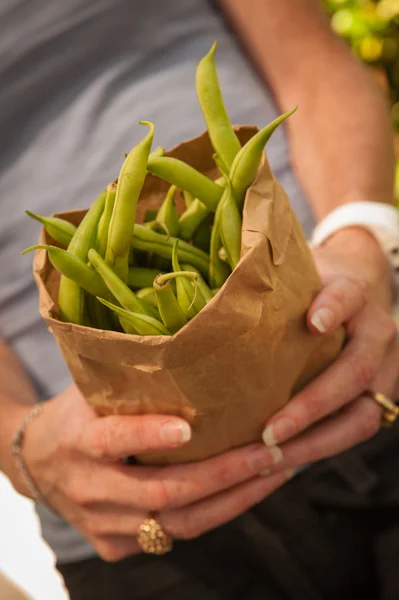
(16, 450)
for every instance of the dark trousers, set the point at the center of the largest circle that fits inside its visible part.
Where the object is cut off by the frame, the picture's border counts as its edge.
(330, 533)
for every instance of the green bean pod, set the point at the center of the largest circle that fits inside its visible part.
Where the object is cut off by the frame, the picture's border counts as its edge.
(99, 315)
(125, 296)
(147, 294)
(202, 237)
(190, 298)
(150, 241)
(137, 323)
(218, 269)
(223, 254)
(169, 308)
(230, 226)
(191, 219)
(160, 151)
(167, 213)
(103, 226)
(176, 172)
(223, 138)
(141, 277)
(130, 182)
(75, 270)
(202, 285)
(188, 198)
(60, 230)
(246, 163)
(70, 295)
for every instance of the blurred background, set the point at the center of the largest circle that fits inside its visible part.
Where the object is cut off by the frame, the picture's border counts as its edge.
(371, 28)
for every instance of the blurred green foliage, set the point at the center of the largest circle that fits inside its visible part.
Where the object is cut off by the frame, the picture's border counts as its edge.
(371, 27)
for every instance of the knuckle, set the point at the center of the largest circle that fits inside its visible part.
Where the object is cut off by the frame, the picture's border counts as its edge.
(364, 369)
(158, 497)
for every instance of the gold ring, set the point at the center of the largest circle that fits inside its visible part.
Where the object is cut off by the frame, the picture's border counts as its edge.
(390, 412)
(152, 538)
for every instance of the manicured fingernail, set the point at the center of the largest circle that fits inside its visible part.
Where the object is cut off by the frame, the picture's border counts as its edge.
(260, 460)
(277, 454)
(323, 319)
(278, 432)
(173, 432)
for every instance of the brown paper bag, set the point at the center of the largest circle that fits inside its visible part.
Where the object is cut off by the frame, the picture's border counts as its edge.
(239, 360)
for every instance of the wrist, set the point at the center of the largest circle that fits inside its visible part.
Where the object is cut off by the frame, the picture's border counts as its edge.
(8, 465)
(363, 259)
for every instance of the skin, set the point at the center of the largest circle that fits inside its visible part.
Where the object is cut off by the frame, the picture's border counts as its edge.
(73, 455)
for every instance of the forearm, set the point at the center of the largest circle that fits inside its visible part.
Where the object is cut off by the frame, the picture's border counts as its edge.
(17, 396)
(340, 137)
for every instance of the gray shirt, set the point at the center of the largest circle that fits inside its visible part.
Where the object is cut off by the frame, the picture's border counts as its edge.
(76, 77)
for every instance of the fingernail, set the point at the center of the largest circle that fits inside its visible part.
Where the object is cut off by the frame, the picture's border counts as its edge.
(260, 460)
(323, 319)
(173, 432)
(278, 432)
(277, 454)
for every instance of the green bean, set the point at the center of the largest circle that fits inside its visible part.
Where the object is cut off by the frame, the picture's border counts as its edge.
(130, 183)
(223, 254)
(115, 285)
(150, 215)
(141, 277)
(74, 269)
(149, 300)
(70, 295)
(190, 299)
(98, 314)
(218, 270)
(195, 215)
(191, 219)
(222, 136)
(178, 173)
(202, 237)
(103, 226)
(167, 213)
(246, 163)
(60, 230)
(150, 241)
(136, 322)
(202, 285)
(188, 198)
(169, 308)
(160, 151)
(215, 291)
(147, 294)
(230, 226)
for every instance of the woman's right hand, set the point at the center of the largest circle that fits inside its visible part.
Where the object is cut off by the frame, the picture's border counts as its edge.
(75, 456)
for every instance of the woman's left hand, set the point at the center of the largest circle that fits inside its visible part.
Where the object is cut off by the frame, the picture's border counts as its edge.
(332, 413)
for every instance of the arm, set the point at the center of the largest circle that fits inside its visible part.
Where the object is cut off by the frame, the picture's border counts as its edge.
(342, 125)
(17, 397)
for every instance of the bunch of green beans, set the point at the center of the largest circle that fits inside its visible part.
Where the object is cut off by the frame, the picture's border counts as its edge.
(153, 278)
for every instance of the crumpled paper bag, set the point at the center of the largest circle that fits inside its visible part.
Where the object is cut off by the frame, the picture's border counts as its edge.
(239, 360)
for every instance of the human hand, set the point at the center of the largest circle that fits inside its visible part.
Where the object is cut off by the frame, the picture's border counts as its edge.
(74, 459)
(331, 415)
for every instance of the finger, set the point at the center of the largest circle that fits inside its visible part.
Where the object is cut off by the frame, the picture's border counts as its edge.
(192, 521)
(117, 436)
(371, 336)
(356, 423)
(113, 548)
(160, 488)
